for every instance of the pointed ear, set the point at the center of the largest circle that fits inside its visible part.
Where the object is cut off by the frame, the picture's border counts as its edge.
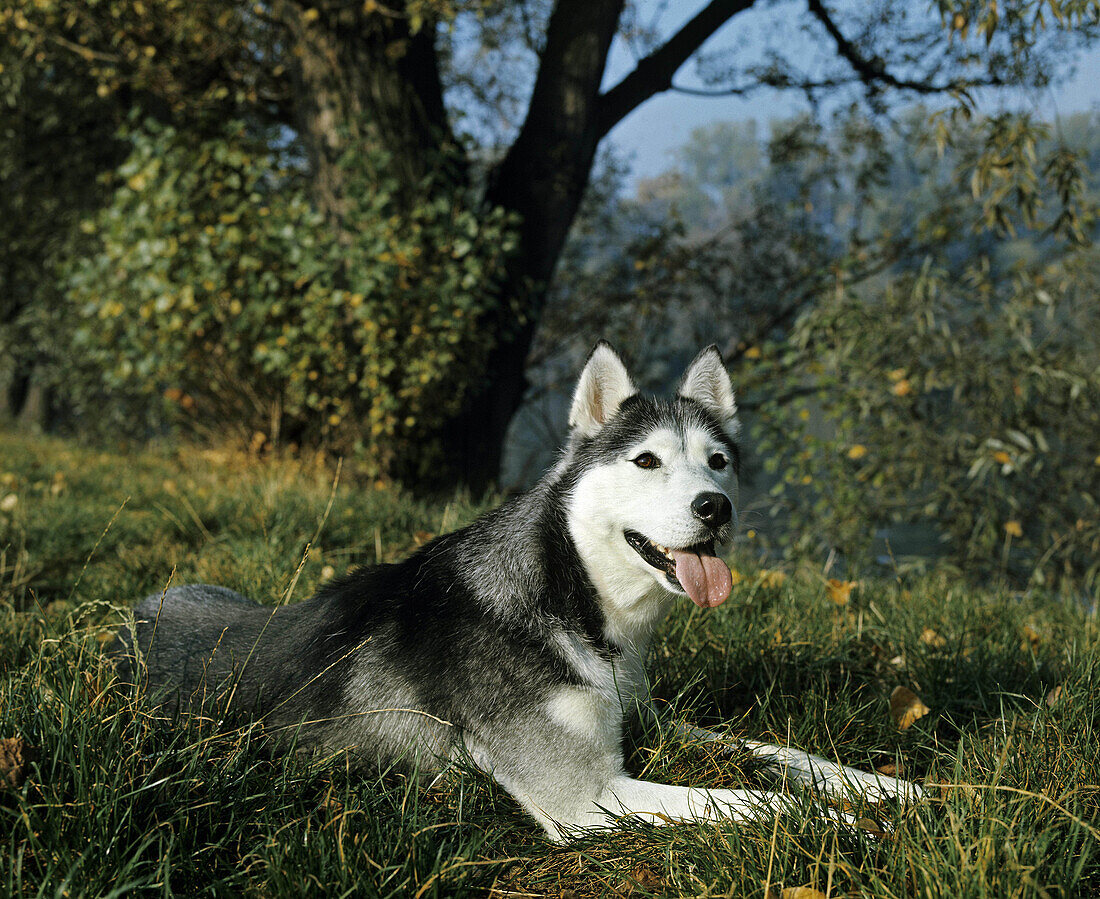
(708, 383)
(601, 389)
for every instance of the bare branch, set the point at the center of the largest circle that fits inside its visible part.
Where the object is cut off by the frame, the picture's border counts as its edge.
(770, 80)
(654, 73)
(85, 53)
(872, 71)
(720, 92)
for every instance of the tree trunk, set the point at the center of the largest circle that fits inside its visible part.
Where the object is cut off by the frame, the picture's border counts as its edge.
(35, 413)
(14, 397)
(368, 77)
(542, 178)
(361, 79)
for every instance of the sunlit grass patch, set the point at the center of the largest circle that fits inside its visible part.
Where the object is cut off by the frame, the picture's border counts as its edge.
(118, 799)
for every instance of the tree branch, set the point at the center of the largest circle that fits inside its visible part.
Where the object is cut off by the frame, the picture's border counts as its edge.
(654, 73)
(871, 71)
(720, 92)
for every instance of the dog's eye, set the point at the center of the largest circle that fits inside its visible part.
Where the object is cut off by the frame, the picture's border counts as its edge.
(646, 460)
(718, 462)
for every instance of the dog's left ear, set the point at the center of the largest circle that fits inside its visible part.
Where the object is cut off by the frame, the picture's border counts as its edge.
(708, 383)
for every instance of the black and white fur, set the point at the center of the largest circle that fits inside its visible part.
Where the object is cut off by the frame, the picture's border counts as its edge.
(518, 641)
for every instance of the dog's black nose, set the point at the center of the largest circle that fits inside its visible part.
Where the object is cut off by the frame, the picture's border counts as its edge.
(713, 509)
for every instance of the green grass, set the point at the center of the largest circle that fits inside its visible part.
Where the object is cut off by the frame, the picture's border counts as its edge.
(121, 801)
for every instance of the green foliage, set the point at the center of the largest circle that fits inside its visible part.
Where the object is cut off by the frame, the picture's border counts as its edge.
(1010, 167)
(970, 404)
(198, 60)
(49, 111)
(217, 292)
(901, 297)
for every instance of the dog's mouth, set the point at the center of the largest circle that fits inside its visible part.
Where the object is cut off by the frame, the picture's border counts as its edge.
(694, 570)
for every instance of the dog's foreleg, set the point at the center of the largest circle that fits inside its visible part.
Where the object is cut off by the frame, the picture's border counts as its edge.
(661, 802)
(628, 797)
(568, 814)
(658, 803)
(831, 778)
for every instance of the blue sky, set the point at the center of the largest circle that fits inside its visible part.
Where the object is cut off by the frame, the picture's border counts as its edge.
(652, 132)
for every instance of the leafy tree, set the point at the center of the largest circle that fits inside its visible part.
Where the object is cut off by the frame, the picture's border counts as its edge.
(966, 405)
(958, 388)
(217, 292)
(361, 78)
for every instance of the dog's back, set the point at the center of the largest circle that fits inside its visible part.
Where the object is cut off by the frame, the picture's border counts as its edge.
(406, 661)
(210, 650)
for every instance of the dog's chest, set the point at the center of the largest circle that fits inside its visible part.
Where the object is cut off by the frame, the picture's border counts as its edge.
(594, 709)
(587, 713)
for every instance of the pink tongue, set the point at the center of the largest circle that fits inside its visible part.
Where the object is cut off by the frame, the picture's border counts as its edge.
(706, 579)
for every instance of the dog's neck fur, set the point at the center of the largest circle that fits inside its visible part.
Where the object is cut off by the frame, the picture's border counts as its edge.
(618, 612)
(631, 605)
(554, 591)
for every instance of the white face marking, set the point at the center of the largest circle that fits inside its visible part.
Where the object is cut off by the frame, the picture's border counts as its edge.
(656, 502)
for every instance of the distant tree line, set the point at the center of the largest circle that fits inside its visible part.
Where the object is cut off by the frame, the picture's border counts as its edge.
(907, 353)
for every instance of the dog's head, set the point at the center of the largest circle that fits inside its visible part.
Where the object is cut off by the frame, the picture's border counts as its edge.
(655, 480)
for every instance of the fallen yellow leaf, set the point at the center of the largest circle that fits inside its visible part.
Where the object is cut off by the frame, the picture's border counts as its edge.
(772, 579)
(839, 591)
(801, 893)
(932, 638)
(871, 826)
(906, 707)
(646, 878)
(16, 757)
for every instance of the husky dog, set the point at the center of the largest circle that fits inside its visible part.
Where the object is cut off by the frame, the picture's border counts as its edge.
(517, 642)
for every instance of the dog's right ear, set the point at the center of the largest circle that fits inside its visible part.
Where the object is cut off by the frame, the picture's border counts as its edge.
(601, 389)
